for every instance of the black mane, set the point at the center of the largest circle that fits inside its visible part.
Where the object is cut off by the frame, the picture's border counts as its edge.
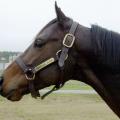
(106, 45)
(106, 65)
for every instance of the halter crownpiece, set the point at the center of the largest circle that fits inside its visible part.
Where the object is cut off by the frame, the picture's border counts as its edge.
(68, 42)
(61, 56)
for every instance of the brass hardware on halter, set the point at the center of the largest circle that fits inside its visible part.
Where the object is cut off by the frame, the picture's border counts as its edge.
(69, 40)
(30, 74)
(30, 78)
(58, 52)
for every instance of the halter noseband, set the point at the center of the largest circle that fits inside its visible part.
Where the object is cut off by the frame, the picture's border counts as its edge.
(62, 55)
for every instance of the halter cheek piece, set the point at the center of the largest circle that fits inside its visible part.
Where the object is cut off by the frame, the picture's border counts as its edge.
(62, 55)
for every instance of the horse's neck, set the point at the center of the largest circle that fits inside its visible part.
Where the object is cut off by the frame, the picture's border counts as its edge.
(83, 44)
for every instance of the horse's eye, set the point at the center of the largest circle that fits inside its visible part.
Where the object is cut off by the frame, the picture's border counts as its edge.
(39, 43)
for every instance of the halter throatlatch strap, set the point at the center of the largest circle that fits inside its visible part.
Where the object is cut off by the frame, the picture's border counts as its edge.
(30, 70)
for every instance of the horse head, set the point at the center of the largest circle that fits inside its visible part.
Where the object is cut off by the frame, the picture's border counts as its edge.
(50, 56)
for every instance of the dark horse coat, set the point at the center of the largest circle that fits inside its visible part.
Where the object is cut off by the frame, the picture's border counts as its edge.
(106, 55)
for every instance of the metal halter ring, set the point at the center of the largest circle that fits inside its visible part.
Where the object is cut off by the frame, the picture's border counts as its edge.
(30, 77)
(58, 54)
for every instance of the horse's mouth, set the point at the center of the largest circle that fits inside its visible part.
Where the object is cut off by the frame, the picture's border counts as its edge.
(14, 95)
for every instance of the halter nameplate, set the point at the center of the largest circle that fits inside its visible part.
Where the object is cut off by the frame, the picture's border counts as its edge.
(44, 64)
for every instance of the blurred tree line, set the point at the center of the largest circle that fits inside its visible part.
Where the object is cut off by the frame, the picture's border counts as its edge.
(6, 55)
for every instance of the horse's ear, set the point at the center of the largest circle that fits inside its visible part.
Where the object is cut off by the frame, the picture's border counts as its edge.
(60, 15)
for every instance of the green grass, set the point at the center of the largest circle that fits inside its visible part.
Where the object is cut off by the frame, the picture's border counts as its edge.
(75, 85)
(57, 107)
(72, 86)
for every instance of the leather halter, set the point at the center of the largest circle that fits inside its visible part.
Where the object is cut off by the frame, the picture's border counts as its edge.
(62, 55)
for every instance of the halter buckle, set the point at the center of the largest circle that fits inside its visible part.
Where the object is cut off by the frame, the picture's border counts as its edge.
(68, 40)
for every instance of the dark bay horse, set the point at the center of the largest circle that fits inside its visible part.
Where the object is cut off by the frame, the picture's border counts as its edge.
(65, 50)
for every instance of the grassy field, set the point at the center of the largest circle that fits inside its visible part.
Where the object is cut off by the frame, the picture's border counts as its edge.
(75, 85)
(57, 107)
